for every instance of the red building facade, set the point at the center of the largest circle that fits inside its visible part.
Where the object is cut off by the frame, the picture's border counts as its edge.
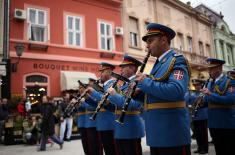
(62, 39)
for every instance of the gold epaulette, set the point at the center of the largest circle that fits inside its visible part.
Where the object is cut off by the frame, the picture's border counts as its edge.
(222, 92)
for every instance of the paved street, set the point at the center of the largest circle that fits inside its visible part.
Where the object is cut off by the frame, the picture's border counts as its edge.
(72, 148)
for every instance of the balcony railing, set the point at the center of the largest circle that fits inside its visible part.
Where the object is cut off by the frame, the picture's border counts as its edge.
(197, 61)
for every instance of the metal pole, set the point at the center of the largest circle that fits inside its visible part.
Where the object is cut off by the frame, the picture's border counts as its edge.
(6, 80)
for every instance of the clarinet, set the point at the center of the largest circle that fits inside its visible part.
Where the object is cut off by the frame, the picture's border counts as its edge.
(75, 101)
(198, 100)
(133, 86)
(106, 95)
(102, 101)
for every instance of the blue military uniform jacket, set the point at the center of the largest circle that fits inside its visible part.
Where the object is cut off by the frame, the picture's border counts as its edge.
(167, 127)
(88, 112)
(221, 104)
(105, 119)
(133, 125)
(81, 116)
(202, 111)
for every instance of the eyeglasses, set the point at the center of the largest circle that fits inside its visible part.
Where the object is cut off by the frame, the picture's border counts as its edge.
(152, 38)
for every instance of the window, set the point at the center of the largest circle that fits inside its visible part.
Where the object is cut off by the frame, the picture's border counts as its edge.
(221, 44)
(134, 29)
(36, 78)
(208, 50)
(106, 36)
(190, 44)
(74, 31)
(230, 54)
(180, 41)
(37, 25)
(201, 49)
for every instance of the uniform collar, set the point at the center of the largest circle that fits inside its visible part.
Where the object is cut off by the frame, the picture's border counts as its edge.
(164, 54)
(219, 77)
(107, 81)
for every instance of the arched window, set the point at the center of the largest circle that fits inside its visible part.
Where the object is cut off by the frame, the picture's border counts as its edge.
(36, 78)
(223, 28)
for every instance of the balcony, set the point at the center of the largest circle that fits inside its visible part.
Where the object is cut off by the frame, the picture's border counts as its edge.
(197, 62)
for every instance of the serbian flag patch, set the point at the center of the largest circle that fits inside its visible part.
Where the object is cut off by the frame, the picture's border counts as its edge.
(178, 74)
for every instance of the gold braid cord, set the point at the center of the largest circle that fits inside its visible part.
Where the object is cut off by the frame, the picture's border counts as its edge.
(222, 92)
(168, 72)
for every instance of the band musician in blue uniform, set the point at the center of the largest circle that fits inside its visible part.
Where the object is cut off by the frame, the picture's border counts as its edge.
(105, 118)
(220, 98)
(199, 117)
(128, 135)
(167, 121)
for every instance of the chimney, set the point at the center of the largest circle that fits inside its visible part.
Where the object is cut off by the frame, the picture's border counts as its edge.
(188, 3)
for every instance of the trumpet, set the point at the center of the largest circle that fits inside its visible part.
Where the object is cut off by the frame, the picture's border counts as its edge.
(106, 95)
(131, 90)
(198, 101)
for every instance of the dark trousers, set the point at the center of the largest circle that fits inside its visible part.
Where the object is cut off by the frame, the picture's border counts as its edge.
(44, 139)
(223, 140)
(108, 142)
(129, 146)
(2, 123)
(94, 142)
(201, 134)
(181, 150)
(83, 133)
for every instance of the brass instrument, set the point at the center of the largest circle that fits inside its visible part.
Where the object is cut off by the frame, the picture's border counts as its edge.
(198, 101)
(131, 91)
(106, 95)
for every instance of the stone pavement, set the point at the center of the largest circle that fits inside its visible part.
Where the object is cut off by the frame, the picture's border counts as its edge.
(70, 148)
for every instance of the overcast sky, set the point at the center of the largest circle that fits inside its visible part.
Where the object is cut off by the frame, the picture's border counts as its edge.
(225, 6)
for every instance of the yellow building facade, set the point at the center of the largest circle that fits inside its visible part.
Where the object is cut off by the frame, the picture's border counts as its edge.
(193, 30)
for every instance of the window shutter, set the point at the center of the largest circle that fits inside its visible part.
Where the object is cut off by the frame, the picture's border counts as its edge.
(48, 32)
(29, 31)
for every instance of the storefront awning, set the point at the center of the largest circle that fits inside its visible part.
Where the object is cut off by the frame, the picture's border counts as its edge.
(69, 80)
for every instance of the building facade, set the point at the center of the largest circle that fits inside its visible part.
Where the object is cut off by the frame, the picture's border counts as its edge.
(224, 39)
(193, 31)
(2, 67)
(64, 40)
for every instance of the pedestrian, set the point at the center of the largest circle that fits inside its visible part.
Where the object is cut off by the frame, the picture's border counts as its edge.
(167, 121)
(48, 125)
(220, 98)
(66, 121)
(128, 135)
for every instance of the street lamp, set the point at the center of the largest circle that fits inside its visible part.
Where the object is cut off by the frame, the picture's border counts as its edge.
(19, 47)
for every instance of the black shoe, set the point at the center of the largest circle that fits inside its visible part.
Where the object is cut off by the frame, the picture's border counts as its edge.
(203, 152)
(68, 139)
(61, 146)
(196, 151)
